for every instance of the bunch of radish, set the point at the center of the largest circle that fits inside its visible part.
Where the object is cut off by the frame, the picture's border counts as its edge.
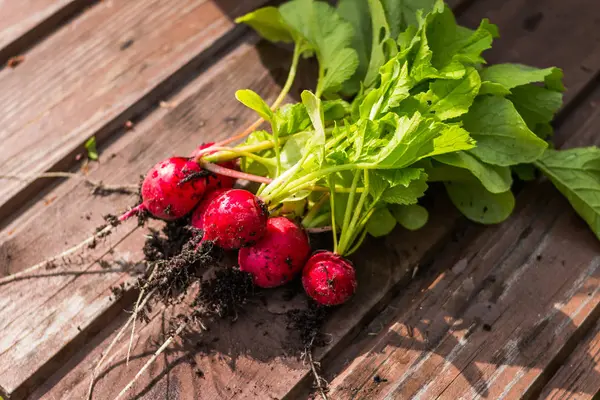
(272, 249)
(357, 153)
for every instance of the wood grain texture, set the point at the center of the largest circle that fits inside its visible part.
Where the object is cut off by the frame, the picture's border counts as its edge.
(22, 23)
(253, 361)
(109, 65)
(40, 316)
(544, 33)
(435, 343)
(578, 375)
(257, 372)
(504, 308)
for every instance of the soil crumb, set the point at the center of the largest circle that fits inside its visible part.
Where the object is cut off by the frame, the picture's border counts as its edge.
(176, 259)
(308, 323)
(226, 293)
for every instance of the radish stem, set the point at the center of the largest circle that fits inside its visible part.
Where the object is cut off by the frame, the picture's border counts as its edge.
(312, 213)
(284, 92)
(217, 169)
(290, 79)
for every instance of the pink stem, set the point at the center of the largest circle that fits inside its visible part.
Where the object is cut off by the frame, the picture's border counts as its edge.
(319, 230)
(232, 139)
(134, 211)
(219, 170)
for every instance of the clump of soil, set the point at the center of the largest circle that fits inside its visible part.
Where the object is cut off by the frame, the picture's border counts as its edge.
(168, 242)
(226, 293)
(176, 259)
(308, 323)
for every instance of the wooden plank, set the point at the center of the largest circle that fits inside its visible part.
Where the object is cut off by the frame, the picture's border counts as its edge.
(411, 363)
(579, 375)
(249, 359)
(259, 367)
(544, 33)
(501, 312)
(254, 375)
(524, 44)
(106, 67)
(371, 336)
(41, 317)
(22, 23)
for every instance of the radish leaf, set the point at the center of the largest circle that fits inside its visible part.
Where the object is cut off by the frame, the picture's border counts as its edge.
(356, 12)
(411, 217)
(90, 146)
(382, 45)
(381, 223)
(494, 178)
(268, 23)
(405, 186)
(576, 173)
(400, 14)
(452, 98)
(328, 36)
(290, 118)
(453, 138)
(502, 136)
(253, 101)
(536, 105)
(513, 75)
(479, 205)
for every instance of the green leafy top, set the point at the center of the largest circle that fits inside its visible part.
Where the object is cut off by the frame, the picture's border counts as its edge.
(423, 107)
(315, 28)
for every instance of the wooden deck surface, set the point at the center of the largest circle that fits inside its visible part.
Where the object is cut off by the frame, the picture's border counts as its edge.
(454, 310)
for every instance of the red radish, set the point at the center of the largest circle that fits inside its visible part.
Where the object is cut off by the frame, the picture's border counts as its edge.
(217, 181)
(198, 214)
(329, 278)
(170, 189)
(278, 256)
(235, 219)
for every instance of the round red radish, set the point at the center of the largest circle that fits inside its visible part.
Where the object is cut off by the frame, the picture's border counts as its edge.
(215, 181)
(235, 219)
(278, 256)
(171, 189)
(198, 214)
(329, 278)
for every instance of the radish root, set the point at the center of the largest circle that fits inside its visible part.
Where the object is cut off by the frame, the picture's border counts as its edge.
(98, 187)
(136, 309)
(102, 233)
(320, 382)
(106, 353)
(157, 353)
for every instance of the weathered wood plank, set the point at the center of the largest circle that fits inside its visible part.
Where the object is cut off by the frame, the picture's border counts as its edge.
(544, 33)
(579, 375)
(39, 316)
(97, 72)
(492, 322)
(277, 328)
(24, 22)
(253, 376)
(436, 342)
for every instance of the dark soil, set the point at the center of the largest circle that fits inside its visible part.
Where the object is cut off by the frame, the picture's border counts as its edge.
(225, 293)
(308, 323)
(177, 258)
